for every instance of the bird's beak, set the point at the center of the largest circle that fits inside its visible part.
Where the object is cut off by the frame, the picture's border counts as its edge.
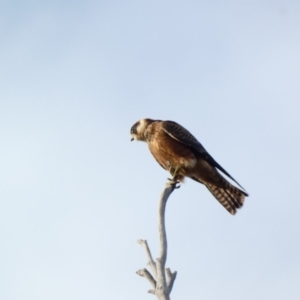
(131, 139)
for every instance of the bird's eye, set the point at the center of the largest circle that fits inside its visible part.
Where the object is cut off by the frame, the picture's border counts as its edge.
(132, 129)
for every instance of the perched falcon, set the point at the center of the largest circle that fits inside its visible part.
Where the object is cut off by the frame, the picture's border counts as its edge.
(178, 151)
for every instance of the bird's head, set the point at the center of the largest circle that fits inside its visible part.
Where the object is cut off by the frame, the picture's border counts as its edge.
(138, 129)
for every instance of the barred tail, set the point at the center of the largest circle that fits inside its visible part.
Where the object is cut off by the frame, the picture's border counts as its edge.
(228, 195)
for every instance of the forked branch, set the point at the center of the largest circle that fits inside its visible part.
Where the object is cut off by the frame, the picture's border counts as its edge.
(162, 279)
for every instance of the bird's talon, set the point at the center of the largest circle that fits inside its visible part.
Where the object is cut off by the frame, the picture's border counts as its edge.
(174, 182)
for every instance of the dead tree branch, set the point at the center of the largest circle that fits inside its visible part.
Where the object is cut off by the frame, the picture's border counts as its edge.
(162, 279)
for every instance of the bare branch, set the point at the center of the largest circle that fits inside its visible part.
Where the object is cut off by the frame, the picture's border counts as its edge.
(151, 262)
(162, 286)
(145, 273)
(170, 279)
(161, 223)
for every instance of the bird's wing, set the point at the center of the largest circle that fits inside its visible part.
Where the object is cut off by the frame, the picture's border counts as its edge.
(183, 136)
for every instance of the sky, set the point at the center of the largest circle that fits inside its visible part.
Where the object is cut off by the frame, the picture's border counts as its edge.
(76, 194)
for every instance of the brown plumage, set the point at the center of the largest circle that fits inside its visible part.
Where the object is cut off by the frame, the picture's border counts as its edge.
(175, 148)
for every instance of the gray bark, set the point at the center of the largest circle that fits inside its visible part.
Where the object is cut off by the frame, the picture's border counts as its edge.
(161, 279)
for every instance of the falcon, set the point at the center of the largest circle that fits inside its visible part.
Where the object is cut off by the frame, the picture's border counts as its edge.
(179, 152)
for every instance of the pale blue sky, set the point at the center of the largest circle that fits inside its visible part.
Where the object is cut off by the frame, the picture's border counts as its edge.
(75, 194)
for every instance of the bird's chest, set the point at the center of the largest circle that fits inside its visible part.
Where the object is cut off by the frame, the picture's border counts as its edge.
(168, 151)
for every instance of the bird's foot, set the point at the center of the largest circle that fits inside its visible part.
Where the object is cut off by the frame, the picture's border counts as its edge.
(174, 171)
(174, 182)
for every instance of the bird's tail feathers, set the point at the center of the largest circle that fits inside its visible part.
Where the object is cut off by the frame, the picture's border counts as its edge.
(231, 197)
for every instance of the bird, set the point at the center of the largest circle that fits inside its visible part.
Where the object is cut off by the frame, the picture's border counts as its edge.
(180, 153)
